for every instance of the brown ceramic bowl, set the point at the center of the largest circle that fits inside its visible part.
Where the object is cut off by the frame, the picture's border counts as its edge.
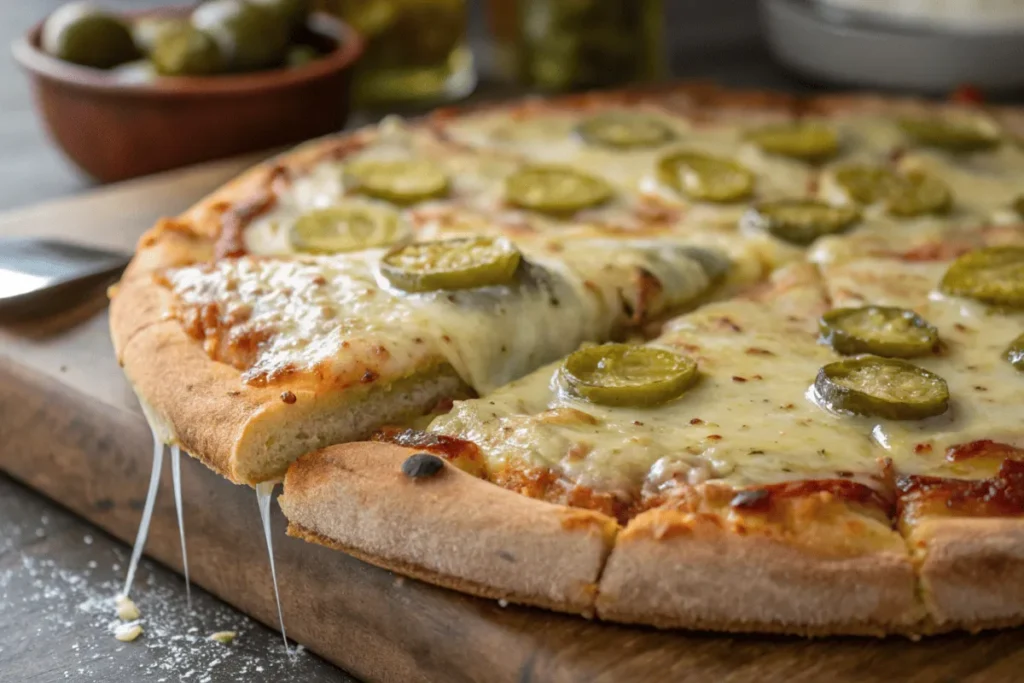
(115, 130)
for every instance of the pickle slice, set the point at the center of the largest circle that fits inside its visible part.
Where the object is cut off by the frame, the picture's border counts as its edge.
(402, 182)
(623, 130)
(460, 263)
(881, 387)
(627, 374)
(557, 190)
(1015, 353)
(801, 221)
(953, 134)
(905, 196)
(345, 228)
(866, 184)
(994, 275)
(706, 178)
(880, 330)
(919, 194)
(811, 142)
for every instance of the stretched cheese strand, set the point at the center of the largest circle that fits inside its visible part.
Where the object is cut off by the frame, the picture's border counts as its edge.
(264, 494)
(147, 512)
(176, 478)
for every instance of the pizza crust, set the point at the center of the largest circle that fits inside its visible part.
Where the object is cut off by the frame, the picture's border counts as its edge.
(971, 570)
(451, 529)
(250, 434)
(673, 569)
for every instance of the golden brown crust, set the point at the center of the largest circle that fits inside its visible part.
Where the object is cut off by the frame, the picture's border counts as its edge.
(250, 434)
(845, 574)
(452, 528)
(971, 570)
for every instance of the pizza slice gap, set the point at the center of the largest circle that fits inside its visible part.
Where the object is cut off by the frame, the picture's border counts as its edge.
(284, 356)
(736, 482)
(959, 473)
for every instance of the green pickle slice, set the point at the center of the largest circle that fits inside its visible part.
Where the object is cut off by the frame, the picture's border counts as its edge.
(881, 387)
(706, 178)
(1015, 353)
(627, 374)
(344, 228)
(557, 190)
(905, 196)
(919, 194)
(953, 134)
(994, 275)
(401, 181)
(622, 130)
(460, 263)
(811, 142)
(879, 330)
(802, 221)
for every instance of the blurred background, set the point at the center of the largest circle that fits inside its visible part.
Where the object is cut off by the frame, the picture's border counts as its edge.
(130, 87)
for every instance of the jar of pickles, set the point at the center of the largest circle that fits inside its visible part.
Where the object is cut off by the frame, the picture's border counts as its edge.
(415, 49)
(568, 44)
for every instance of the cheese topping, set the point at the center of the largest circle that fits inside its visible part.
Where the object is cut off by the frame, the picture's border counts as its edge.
(337, 315)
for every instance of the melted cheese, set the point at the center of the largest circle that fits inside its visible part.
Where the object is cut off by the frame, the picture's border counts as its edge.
(748, 420)
(986, 392)
(338, 314)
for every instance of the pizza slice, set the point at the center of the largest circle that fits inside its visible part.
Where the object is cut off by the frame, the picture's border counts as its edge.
(687, 482)
(249, 362)
(959, 472)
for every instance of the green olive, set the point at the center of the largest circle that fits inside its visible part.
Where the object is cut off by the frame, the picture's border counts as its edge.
(460, 263)
(801, 221)
(250, 36)
(557, 190)
(82, 34)
(186, 51)
(811, 142)
(345, 228)
(953, 134)
(881, 387)
(146, 30)
(914, 194)
(627, 374)
(623, 130)
(706, 178)
(401, 181)
(879, 330)
(1015, 353)
(919, 194)
(291, 12)
(301, 55)
(994, 275)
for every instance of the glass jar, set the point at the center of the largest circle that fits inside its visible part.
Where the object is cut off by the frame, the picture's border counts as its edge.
(569, 44)
(416, 50)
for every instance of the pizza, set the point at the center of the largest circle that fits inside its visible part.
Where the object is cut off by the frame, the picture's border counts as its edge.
(686, 356)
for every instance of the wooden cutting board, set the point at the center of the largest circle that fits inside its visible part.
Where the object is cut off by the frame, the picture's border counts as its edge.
(71, 428)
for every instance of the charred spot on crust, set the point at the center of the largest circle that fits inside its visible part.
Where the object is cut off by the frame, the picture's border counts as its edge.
(422, 465)
(763, 498)
(288, 397)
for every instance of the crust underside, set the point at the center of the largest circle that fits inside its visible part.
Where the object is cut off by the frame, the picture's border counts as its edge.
(951, 580)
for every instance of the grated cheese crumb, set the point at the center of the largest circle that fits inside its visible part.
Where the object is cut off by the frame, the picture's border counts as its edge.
(126, 609)
(223, 637)
(126, 633)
